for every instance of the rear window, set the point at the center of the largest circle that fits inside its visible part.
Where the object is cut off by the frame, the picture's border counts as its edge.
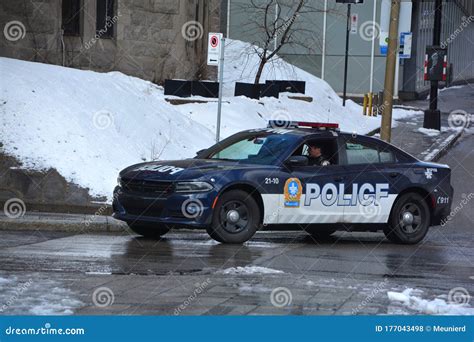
(358, 153)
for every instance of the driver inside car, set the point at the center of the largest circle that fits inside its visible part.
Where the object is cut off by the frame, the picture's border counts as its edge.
(315, 156)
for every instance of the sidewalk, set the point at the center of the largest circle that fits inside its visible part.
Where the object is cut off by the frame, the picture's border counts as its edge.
(430, 145)
(74, 223)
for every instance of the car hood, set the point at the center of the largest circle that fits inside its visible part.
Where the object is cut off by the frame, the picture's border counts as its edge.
(187, 169)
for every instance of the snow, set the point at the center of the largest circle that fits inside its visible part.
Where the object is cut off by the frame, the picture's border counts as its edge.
(89, 125)
(438, 306)
(429, 132)
(248, 270)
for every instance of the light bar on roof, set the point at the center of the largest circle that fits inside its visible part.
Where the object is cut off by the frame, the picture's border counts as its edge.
(298, 124)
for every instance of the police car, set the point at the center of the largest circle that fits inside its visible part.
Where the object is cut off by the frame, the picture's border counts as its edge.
(263, 179)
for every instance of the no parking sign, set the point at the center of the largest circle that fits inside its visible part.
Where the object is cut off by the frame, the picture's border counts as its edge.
(214, 48)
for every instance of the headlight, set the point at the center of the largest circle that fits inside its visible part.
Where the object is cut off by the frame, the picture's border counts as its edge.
(119, 181)
(193, 187)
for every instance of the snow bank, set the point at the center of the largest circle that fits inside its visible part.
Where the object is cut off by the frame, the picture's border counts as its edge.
(90, 125)
(410, 298)
(249, 270)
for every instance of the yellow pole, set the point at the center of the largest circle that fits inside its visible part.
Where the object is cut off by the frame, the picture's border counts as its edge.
(371, 113)
(365, 104)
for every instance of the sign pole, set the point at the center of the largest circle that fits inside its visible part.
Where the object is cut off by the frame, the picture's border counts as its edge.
(432, 118)
(346, 62)
(221, 81)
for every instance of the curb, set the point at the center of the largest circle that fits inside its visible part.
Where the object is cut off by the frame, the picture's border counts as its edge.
(90, 225)
(437, 154)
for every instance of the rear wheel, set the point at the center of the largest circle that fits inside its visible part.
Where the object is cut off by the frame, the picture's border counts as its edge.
(148, 230)
(236, 217)
(409, 220)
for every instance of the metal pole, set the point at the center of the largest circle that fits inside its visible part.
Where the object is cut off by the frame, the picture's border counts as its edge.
(397, 77)
(221, 81)
(228, 19)
(344, 96)
(275, 40)
(433, 115)
(372, 55)
(323, 61)
(386, 129)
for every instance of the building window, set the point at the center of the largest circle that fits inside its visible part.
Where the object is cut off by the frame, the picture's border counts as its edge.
(105, 22)
(71, 17)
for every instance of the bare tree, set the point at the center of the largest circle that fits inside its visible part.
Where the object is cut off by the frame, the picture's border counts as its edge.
(275, 24)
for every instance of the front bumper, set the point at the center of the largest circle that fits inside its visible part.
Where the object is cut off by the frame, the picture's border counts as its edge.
(173, 210)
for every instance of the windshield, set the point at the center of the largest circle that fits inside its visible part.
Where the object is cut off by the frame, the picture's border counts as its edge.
(260, 148)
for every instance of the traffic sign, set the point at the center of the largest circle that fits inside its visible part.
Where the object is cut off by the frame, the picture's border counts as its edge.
(405, 45)
(214, 49)
(354, 23)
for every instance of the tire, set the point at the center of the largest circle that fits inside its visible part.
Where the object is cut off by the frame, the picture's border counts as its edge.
(320, 234)
(399, 230)
(234, 205)
(148, 230)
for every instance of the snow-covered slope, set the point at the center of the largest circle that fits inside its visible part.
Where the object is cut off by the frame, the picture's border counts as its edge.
(90, 125)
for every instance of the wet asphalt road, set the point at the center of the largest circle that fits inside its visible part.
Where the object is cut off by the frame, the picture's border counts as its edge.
(186, 273)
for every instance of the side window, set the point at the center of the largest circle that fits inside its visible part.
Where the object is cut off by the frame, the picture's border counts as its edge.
(106, 19)
(358, 153)
(71, 17)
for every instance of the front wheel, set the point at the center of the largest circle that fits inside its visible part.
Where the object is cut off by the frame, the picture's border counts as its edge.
(148, 230)
(236, 217)
(409, 220)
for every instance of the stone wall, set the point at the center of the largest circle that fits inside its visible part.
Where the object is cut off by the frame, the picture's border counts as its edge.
(148, 40)
(42, 190)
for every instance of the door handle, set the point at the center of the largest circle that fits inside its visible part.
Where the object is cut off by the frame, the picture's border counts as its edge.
(393, 175)
(338, 179)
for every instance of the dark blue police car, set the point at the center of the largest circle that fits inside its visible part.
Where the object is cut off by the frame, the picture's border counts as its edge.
(264, 179)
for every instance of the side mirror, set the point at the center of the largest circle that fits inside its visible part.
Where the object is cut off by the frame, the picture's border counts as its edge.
(295, 161)
(198, 153)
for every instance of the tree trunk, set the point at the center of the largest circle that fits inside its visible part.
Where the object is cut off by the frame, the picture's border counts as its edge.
(263, 61)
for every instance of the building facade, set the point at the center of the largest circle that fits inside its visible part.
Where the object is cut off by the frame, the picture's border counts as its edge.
(458, 33)
(150, 39)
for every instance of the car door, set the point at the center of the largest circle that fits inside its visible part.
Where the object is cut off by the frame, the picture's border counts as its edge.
(372, 180)
(310, 194)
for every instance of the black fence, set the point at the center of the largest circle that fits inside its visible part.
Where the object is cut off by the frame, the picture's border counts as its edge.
(269, 89)
(183, 88)
(289, 86)
(191, 88)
